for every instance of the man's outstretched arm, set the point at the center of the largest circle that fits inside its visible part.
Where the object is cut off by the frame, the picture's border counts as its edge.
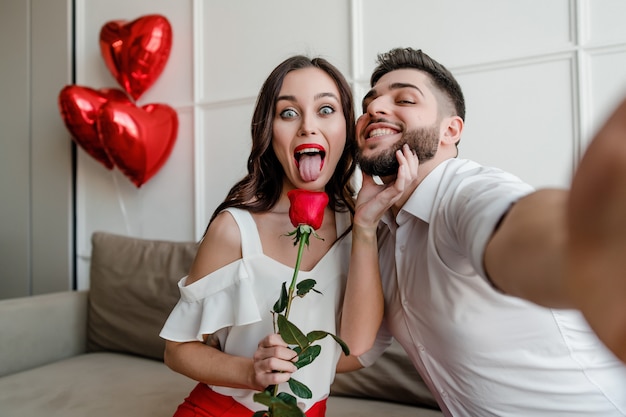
(567, 249)
(596, 256)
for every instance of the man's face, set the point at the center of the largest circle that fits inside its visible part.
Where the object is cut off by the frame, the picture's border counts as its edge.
(400, 108)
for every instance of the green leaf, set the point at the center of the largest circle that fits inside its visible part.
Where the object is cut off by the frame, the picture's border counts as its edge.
(281, 303)
(288, 411)
(320, 334)
(344, 346)
(264, 397)
(282, 405)
(290, 332)
(299, 388)
(308, 356)
(305, 286)
(285, 405)
(287, 398)
(316, 335)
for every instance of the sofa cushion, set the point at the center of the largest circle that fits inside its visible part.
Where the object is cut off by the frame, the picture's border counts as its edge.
(392, 378)
(99, 384)
(132, 291)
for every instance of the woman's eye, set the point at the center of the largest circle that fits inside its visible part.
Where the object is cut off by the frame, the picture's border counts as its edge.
(288, 114)
(406, 101)
(327, 110)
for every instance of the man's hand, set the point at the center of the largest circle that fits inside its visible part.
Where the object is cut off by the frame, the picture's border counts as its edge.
(374, 199)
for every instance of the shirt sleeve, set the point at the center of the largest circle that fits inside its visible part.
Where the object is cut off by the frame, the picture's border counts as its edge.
(476, 207)
(382, 342)
(219, 300)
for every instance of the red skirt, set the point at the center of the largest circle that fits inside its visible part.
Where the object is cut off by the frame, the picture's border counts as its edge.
(204, 402)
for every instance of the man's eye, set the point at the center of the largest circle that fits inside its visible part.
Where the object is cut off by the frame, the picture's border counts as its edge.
(365, 104)
(327, 110)
(404, 101)
(288, 114)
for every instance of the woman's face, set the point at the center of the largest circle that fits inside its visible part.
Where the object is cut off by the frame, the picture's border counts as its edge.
(309, 128)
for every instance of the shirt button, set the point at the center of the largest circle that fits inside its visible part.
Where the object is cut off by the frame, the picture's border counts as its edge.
(444, 394)
(421, 348)
(402, 248)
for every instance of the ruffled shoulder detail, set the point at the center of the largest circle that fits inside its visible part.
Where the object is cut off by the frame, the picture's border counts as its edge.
(221, 299)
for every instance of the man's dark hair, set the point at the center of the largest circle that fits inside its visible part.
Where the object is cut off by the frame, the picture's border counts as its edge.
(400, 58)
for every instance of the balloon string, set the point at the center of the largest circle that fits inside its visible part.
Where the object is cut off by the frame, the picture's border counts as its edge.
(120, 200)
(141, 195)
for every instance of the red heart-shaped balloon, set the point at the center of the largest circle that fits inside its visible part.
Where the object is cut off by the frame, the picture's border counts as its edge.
(136, 52)
(79, 108)
(138, 139)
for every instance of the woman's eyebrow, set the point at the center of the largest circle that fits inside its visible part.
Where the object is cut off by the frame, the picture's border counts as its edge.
(322, 95)
(317, 97)
(286, 97)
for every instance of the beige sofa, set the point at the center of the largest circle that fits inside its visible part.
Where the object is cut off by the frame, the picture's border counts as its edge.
(97, 353)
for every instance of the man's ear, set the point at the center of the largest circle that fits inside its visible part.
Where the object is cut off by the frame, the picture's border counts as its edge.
(452, 130)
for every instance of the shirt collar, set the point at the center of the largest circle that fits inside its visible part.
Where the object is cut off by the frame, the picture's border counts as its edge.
(420, 203)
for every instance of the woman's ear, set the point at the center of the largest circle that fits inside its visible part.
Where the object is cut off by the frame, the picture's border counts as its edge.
(452, 130)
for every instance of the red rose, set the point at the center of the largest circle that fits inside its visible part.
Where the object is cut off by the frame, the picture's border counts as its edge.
(307, 207)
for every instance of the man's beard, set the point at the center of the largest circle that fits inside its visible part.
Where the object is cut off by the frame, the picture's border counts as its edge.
(423, 141)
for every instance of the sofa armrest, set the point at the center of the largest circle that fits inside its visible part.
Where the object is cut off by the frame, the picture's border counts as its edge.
(41, 329)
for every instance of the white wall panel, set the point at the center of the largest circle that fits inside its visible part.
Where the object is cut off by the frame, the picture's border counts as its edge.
(604, 21)
(242, 41)
(461, 33)
(226, 142)
(607, 85)
(521, 119)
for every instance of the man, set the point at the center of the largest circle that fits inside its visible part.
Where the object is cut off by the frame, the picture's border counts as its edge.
(484, 278)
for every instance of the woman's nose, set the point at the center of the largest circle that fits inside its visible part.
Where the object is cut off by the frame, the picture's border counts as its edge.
(307, 127)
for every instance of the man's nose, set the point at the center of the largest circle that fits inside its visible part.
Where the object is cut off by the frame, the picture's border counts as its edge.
(378, 105)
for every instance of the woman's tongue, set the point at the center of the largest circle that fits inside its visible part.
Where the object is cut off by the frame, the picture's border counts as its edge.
(310, 167)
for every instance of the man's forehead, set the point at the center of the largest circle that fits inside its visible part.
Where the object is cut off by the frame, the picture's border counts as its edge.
(404, 76)
(399, 79)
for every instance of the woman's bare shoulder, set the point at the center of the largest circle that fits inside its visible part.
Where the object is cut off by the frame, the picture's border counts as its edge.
(220, 246)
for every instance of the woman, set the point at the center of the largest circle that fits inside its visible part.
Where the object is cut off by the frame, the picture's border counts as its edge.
(302, 137)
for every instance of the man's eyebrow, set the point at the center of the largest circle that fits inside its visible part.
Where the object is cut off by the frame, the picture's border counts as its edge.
(397, 86)
(394, 86)
(369, 95)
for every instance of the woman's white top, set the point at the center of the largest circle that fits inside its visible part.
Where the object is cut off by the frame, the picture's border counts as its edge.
(235, 302)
